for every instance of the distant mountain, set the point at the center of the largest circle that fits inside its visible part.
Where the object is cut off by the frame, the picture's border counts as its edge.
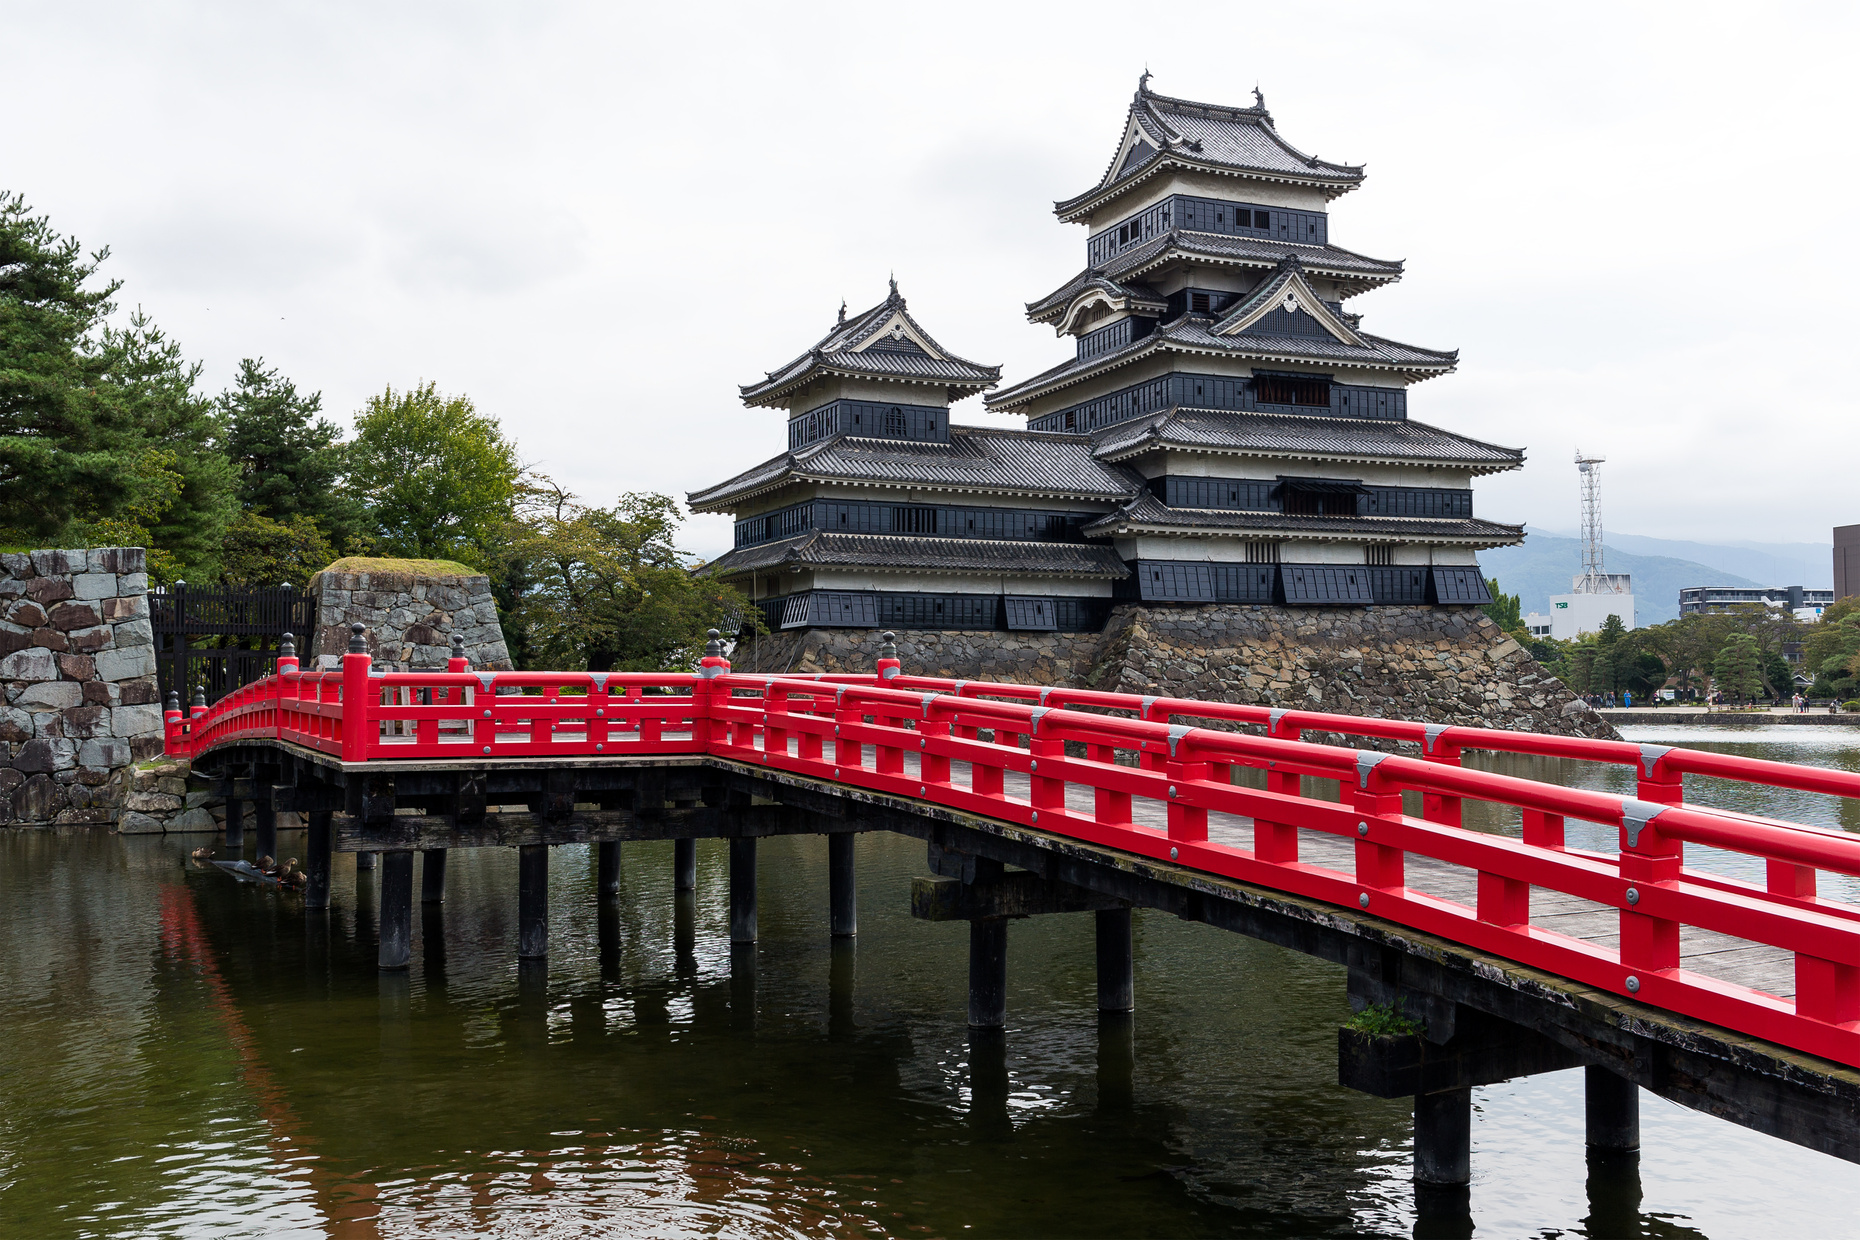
(1768, 564)
(1545, 563)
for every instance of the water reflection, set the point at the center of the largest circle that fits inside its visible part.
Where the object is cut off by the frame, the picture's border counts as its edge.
(187, 1054)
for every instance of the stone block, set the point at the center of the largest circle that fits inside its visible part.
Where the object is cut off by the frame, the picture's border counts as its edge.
(77, 667)
(51, 695)
(119, 560)
(173, 785)
(128, 607)
(138, 721)
(50, 639)
(83, 722)
(71, 614)
(96, 693)
(38, 799)
(152, 802)
(132, 822)
(143, 748)
(132, 585)
(192, 821)
(137, 692)
(29, 664)
(11, 641)
(52, 563)
(103, 753)
(89, 641)
(17, 564)
(15, 725)
(197, 800)
(94, 586)
(115, 665)
(137, 632)
(26, 613)
(38, 756)
(48, 590)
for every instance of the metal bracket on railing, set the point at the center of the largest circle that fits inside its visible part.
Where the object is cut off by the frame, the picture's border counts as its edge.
(1033, 727)
(1366, 760)
(960, 685)
(712, 672)
(1274, 715)
(1147, 703)
(928, 698)
(600, 680)
(1432, 731)
(1636, 814)
(485, 679)
(1176, 733)
(1043, 694)
(1650, 756)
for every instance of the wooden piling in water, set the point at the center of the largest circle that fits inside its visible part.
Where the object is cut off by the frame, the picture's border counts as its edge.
(316, 862)
(684, 865)
(433, 875)
(532, 901)
(1443, 1138)
(1611, 1106)
(1116, 971)
(394, 946)
(607, 862)
(265, 824)
(843, 894)
(235, 825)
(988, 973)
(743, 890)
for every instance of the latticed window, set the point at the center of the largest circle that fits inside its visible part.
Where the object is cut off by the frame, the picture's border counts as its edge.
(913, 520)
(1291, 390)
(1262, 553)
(1383, 555)
(894, 421)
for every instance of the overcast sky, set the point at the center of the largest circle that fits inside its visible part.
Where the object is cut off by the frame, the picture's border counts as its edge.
(1636, 222)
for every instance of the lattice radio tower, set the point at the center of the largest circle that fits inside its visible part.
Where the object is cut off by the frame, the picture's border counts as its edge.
(1594, 581)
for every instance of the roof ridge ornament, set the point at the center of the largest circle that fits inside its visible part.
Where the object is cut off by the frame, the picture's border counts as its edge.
(1259, 100)
(842, 322)
(1143, 83)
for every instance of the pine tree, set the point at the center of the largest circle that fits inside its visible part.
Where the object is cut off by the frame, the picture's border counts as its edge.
(288, 462)
(1738, 668)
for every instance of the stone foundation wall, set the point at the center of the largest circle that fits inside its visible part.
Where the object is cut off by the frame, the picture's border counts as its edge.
(164, 797)
(410, 620)
(1436, 665)
(77, 662)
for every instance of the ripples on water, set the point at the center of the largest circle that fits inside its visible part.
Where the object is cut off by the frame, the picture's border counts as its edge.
(183, 1056)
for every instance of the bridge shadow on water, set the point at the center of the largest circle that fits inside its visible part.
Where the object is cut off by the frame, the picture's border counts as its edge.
(649, 1078)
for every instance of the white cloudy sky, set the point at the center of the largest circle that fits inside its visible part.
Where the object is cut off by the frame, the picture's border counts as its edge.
(1635, 221)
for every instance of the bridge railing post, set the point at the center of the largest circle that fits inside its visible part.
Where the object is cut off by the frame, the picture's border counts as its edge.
(1109, 807)
(1648, 944)
(358, 691)
(1436, 806)
(705, 693)
(1278, 841)
(173, 733)
(1186, 822)
(1379, 866)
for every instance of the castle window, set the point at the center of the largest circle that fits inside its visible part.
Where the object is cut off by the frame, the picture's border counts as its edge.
(913, 520)
(1198, 302)
(1292, 390)
(1262, 553)
(894, 421)
(1072, 420)
(1262, 219)
(1379, 555)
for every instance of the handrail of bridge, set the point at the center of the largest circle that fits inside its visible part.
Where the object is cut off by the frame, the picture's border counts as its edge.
(1058, 738)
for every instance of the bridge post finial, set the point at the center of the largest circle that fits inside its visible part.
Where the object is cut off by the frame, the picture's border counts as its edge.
(458, 662)
(287, 654)
(358, 643)
(199, 706)
(888, 665)
(174, 701)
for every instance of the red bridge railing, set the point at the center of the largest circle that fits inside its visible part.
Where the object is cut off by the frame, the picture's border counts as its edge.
(1125, 750)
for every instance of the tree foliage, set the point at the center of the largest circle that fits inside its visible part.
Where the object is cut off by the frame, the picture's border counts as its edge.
(1738, 668)
(1507, 610)
(288, 461)
(439, 477)
(607, 589)
(260, 552)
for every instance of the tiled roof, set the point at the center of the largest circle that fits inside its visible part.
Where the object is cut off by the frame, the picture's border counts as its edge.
(1210, 136)
(975, 458)
(1194, 333)
(1313, 438)
(828, 549)
(839, 352)
(1146, 515)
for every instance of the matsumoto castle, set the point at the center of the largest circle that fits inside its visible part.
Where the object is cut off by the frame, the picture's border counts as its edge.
(1225, 431)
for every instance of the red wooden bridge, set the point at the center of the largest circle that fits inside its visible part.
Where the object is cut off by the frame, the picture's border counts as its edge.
(1728, 985)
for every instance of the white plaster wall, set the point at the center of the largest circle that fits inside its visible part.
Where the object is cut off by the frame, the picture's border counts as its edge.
(828, 389)
(957, 583)
(1206, 185)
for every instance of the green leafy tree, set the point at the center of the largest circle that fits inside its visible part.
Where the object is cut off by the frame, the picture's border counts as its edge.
(439, 477)
(1738, 668)
(1507, 610)
(288, 461)
(607, 588)
(260, 552)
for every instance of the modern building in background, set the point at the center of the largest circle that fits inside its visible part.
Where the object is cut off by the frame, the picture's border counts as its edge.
(1595, 594)
(1723, 598)
(1225, 431)
(1846, 561)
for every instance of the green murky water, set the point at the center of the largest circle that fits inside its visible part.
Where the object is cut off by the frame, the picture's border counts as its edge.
(183, 1055)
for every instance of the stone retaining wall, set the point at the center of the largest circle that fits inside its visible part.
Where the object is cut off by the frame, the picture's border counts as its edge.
(1431, 664)
(77, 662)
(410, 620)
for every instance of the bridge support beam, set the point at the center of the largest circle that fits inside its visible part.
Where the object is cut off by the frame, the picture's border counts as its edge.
(364, 861)
(743, 890)
(988, 973)
(684, 865)
(235, 825)
(316, 862)
(265, 823)
(1443, 1138)
(394, 944)
(1116, 971)
(843, 894)
(532, 901)
(1611, 1106)
(433, 875)
(607, 869)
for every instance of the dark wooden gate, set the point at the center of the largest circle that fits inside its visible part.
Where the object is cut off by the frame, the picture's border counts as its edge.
(216, 639)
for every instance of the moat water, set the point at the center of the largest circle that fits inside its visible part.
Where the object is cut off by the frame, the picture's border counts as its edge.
(182, 1055)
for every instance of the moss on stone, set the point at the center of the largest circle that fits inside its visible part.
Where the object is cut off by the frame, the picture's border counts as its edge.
(388, 564)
